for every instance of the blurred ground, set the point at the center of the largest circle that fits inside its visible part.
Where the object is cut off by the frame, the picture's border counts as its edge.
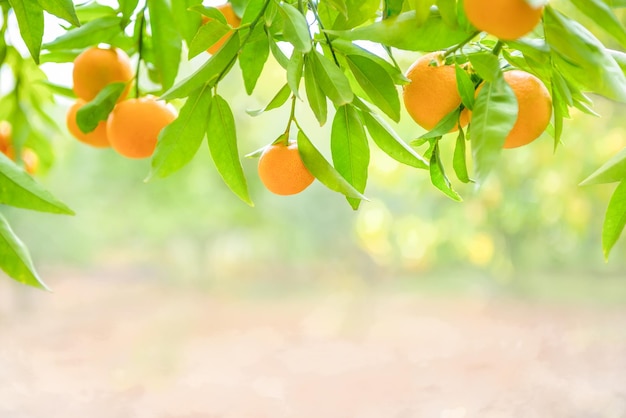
(105, 345)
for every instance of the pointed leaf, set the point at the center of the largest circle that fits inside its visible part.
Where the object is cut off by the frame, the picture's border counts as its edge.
(223, 146)
(602, 14)
(99, 30)
(615, 219)
(253, 56)
(18, 189)
(612, 171)
(331, 79)
(207, 35)
(495, 113)
(15, 259)
(350, 150)
(438, 175)
(63, 9)
(459, 162)
(388, 140)
(322, 170)
(92, 113)
(295, 29)
(314, 93)
(179, 141)
(29, 14)
(405, 32)
(186, 20)
(376, 83)
(208, 73)
(165, 35)
(465, 86)
(279, 99)
(295, 69)
(127, 7)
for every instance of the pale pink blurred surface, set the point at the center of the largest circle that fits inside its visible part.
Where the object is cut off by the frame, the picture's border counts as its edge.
(110, 348)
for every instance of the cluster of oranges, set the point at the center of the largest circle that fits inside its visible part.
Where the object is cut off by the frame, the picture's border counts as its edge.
(133, 127)
(29, 158)
(433, 91)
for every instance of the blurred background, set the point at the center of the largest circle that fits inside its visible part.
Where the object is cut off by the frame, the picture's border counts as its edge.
(174, 299)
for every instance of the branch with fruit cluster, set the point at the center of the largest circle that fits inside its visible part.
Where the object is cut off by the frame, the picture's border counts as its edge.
(496, 75)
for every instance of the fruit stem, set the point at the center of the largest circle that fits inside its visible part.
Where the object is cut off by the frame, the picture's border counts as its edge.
(141, 21)
(319, 22)
(460, 45)
(292, 116)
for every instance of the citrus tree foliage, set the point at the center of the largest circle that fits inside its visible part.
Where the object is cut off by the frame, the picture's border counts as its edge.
(319, 44)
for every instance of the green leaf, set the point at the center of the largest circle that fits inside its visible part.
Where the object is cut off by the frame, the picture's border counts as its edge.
(92, 113)
(179, 141)
(348, 48)
(185, 20)
(339, 5)
(376, 83)
(388, 140)
(404, 32)
(602, 14)
(207, 35)
(253, 56)
(444, 126)
(350, 150)
(495, 113)
(18, 189)
(486, 65)
(358, 12)
(278, 54)
(582, 57)
(392, 7)
(465, 86)
(15, 259)
(252, 10)
(295, 29)
(210, 12)
(223, 146)
(438, 175)
(279, 99)
(127, 7)
(295, 69)
(63, 9)
(165, 35)
(314, 93)
(208, 73)
(29, 14)
(447, 9)
(615, 219)
(89, 11)
(322, 170)
(99, 30)
(331, 79)
(459, 162)
(612, 171)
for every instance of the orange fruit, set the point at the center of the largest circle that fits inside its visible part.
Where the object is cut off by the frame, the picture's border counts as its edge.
(95, 68)
(505, 19)
(96, 138)
(282, 171)
(232, 19)
(134, 125)
(534, 108)
(5, 135)
(433, 92)
(30, 160)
